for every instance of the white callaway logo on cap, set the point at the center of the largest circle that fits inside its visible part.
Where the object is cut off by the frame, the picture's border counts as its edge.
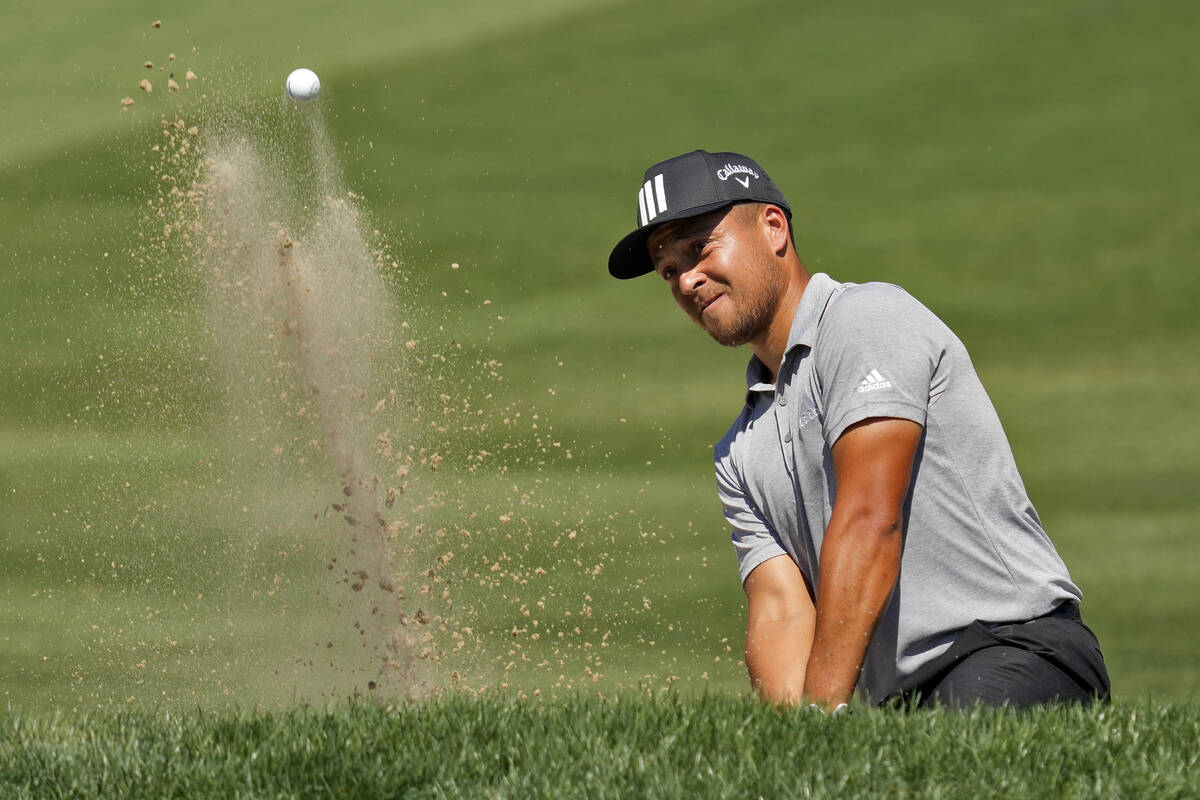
(732, 170)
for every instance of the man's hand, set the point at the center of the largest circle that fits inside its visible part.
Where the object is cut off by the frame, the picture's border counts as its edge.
(860, 555)
(779, 631)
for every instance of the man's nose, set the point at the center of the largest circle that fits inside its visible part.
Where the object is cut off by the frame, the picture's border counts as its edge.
(690, 280)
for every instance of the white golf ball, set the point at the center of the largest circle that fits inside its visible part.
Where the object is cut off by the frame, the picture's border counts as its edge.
(303, 85)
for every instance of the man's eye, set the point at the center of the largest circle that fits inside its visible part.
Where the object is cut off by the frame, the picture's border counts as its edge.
(699, 246)
(667, 273)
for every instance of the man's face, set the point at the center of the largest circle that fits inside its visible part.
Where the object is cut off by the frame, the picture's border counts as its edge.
(721, 272)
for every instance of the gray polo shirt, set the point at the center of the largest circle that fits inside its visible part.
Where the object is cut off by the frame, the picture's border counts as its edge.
(974, 547)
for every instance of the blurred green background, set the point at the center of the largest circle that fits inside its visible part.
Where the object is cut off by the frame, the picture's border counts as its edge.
(1029, 170)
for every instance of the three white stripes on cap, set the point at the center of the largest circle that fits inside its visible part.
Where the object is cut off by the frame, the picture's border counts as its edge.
(647, 208)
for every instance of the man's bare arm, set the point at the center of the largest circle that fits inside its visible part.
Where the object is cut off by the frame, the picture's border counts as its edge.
(860, 556)
(779, 630)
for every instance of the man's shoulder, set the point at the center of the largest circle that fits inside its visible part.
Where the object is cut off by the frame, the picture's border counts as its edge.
(858, 305)
(757, 382)
(858, 298)
(724, 451)
(742, 443)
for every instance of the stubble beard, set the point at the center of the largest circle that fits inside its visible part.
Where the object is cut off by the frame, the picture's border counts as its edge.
(752, 319)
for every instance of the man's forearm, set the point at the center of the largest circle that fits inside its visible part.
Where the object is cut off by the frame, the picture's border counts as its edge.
(859, 567)
(777, 651)
(860, 555)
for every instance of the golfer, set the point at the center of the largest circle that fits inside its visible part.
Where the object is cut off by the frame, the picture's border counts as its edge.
(884, 537)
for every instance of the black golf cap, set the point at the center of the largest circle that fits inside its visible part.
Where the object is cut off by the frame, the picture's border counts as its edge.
(688, 186)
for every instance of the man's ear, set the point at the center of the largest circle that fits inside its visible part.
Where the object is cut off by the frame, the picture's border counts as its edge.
(776, 227)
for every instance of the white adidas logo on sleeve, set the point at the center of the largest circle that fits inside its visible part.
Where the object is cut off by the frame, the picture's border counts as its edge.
(873, 382)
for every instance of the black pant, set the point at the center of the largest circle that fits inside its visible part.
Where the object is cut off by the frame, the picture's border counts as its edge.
(1051, 659)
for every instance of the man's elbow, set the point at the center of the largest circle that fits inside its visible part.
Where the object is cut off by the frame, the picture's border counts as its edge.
(776, 614)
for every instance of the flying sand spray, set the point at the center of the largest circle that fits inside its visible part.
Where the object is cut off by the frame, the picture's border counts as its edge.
(394, 518)
(304, 328)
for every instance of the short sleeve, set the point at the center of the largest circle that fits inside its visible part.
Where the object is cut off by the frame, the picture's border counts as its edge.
(753, 540)
(876, 353)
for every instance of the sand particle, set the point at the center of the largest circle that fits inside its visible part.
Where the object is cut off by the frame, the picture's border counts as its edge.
(145, 86)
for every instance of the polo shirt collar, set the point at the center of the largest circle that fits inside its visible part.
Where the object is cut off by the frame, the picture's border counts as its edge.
(803, 332)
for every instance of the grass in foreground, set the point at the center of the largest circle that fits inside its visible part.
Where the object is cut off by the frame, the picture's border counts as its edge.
(587, 746)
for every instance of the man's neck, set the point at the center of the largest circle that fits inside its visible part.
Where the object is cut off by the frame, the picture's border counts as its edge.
(770, 348)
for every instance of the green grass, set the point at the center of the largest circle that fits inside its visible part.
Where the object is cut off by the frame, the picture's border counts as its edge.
(624, 746)
(1029, 170)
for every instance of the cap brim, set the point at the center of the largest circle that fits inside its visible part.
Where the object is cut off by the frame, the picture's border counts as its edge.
(630, 258)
